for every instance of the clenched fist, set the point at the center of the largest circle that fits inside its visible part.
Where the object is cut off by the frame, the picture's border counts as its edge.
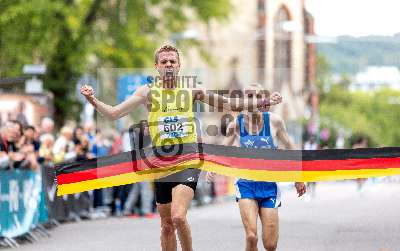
(275, 98)
(87, 91)
(264, 103)
(210, 177)
(300, 188)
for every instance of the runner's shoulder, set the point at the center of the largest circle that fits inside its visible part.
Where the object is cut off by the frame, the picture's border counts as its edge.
(275, 119)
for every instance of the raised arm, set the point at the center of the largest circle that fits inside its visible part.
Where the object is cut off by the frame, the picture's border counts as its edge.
(235, 104)
(231, 134)
(115, 112)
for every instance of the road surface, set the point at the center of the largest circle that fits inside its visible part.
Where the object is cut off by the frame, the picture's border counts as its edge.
(338, 218)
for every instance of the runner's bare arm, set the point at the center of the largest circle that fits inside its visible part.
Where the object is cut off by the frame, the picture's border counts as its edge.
(235, 104)
(231, 134)
(115, 112)
(282, 134)
(284, 138)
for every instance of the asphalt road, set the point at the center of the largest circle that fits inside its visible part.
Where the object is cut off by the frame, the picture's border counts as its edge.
(338, 218)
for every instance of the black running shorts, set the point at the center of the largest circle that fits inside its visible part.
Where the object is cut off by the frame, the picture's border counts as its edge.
(164, 186)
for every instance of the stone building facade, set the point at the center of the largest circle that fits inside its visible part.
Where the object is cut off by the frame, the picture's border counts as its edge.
(262, 41)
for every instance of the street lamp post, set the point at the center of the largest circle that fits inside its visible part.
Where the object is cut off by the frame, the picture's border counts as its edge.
(34, 85)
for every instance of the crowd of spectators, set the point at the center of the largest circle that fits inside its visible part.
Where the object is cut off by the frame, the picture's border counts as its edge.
(29, 147)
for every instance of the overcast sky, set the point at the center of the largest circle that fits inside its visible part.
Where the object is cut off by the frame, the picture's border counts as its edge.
(355, 17)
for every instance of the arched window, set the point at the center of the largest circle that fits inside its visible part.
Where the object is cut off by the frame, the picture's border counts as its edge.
(282, 49)
(261, 37)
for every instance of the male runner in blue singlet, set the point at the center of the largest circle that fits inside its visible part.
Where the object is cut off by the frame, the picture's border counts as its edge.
(259, 129)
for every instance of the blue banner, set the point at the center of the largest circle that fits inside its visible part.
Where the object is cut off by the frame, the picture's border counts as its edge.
(22, 202)
(127, 84)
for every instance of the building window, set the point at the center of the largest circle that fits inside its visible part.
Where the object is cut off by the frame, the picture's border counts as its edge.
(310, 53)
(282, 50)
(261, 37)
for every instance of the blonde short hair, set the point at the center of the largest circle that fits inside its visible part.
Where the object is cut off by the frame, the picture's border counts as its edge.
(46, 137)
(66, 130)
(165, 48)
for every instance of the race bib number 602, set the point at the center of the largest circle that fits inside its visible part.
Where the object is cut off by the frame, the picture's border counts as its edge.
(173, 127)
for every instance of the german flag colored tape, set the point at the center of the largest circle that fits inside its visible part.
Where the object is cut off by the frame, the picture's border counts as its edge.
(253, 164)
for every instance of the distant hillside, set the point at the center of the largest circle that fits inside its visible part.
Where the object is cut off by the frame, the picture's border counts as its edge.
(352, 54)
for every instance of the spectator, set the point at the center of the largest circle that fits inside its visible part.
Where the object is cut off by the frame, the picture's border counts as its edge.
(29, 137)
(100, 149)
(90, 132)
(82, 149)
(63, 149)
(31, 157)
(101, 146)
(311, 143)
(46, 149)
(116, 146)
(20, 116)
(78, 134)
(139, 138)
(13, 154)
(46, 126)
(360, 142)
(79, 204)
(10, 135)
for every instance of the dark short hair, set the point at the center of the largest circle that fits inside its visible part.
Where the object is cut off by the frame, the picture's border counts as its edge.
(165, 48)
(29, 127)
(16, 122)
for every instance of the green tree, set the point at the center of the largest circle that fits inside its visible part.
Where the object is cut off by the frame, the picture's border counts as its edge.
(374, 114)
(72, 37)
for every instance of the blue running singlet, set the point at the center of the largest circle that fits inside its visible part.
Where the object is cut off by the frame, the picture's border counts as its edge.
(267, 194)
